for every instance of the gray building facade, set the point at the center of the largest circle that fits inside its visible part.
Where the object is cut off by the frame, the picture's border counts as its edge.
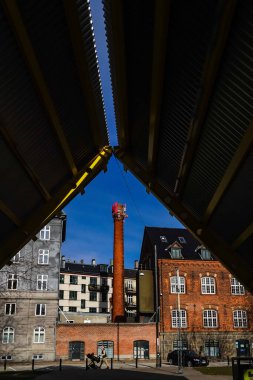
(29, 296)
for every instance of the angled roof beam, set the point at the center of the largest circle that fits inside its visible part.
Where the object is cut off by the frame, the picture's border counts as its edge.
(210, 71)
(12, 146)
(116, 46)
(28, 229)
(10, 214)
(84, 74)
(158, 69)
(15, 19)
(236, 162)
(244, 236)
(216, 245)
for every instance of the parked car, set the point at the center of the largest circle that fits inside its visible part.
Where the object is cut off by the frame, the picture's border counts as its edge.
(189, 358)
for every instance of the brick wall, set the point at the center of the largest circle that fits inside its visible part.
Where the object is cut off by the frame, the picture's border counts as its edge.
(122, 335)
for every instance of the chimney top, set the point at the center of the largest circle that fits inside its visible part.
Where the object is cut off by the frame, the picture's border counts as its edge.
(93, 262)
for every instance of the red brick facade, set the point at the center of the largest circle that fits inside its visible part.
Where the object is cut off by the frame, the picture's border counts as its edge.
(122, 335)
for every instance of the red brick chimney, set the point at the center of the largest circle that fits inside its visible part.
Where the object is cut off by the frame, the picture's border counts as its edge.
(118, 308)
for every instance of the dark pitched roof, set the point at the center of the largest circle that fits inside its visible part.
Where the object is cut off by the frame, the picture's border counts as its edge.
(163, 238)
(85, 269)
(130, 273)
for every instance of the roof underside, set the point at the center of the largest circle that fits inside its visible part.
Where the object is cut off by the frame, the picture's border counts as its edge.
(182, 74)
(53, 135)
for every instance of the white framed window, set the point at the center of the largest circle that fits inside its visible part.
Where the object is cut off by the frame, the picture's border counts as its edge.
(176, 253)
(8, 335)
(208, 285)
(40, 309)
(43, 256)
(240, 318)
(175, 287)
(179, 319)
(45, 233)
(37, 356)
(42, 280)
(16, 258)
(236, 287)
(12, 282)
(210, 318)
(129, 285)
(205, 254)
(39, 335)
(10, 308)
(130, 299)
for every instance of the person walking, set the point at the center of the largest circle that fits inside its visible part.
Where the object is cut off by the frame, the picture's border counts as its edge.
(103, 358)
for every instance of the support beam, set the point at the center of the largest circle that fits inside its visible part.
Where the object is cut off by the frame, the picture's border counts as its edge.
(16, 22)
(243, 237)
(215, 244)
(41, 216)
(84, 74)
(210, 72)
(232, 170)
(157, 77)
(9, 213)
(12, 146)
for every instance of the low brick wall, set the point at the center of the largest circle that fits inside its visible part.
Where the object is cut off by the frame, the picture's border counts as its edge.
(123, 336)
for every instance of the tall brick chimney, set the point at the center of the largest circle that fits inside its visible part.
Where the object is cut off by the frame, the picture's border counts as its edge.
(118, 308)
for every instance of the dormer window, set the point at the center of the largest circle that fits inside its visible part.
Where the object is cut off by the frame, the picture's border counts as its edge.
(163, 239)
(176, 253)
(182, 240)
(205, 254)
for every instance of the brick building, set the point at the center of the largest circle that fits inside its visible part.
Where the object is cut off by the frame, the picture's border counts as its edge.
(196, 292)
(121, 340)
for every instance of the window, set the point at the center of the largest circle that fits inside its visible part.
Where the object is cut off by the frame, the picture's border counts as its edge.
(72, 309)
(82, 304)
(92, 309)
(37, 356)
(72, 295)
(16, 258)
(205, 254)
(108, 345)
(42, 281)
(73, 280)
(176, 253)
(130, 299)
(175, 287)
(103, 268)
(40, 309)
(8, 335)
(83, 288)
(61, 294)
(93, 296)
(240, 318)
(104, 281)
(61, 278)
(180, 344)
(93, 280)
(39, 335)
(103, 310)
(43, 257)
(210, 318)
(6, 357)
(163, 239)
(182, 240)
(10, 308)
(141, 349)
(103, 297)
(45, 233)
(212, 348)
(12, 281)
(179, 319)
(207, 285)
(129, 285)
(236, 287)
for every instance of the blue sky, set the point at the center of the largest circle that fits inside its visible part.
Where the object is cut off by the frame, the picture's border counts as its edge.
(90, 223)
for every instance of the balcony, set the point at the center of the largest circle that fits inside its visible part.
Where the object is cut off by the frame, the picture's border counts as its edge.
(98, 288)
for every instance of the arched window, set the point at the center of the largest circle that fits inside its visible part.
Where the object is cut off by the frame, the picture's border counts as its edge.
(210, 318)
(208, 285)
(8, 335)
(39, 335)
(240, 318)
(176, 287)
(178, 319)
(141, 349)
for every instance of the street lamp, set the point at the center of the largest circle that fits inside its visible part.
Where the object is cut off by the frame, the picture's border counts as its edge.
(180, 367)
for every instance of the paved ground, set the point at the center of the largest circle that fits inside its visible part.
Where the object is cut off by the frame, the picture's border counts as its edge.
(121, 371)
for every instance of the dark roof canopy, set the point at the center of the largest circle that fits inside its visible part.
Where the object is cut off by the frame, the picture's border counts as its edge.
(182, 74)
